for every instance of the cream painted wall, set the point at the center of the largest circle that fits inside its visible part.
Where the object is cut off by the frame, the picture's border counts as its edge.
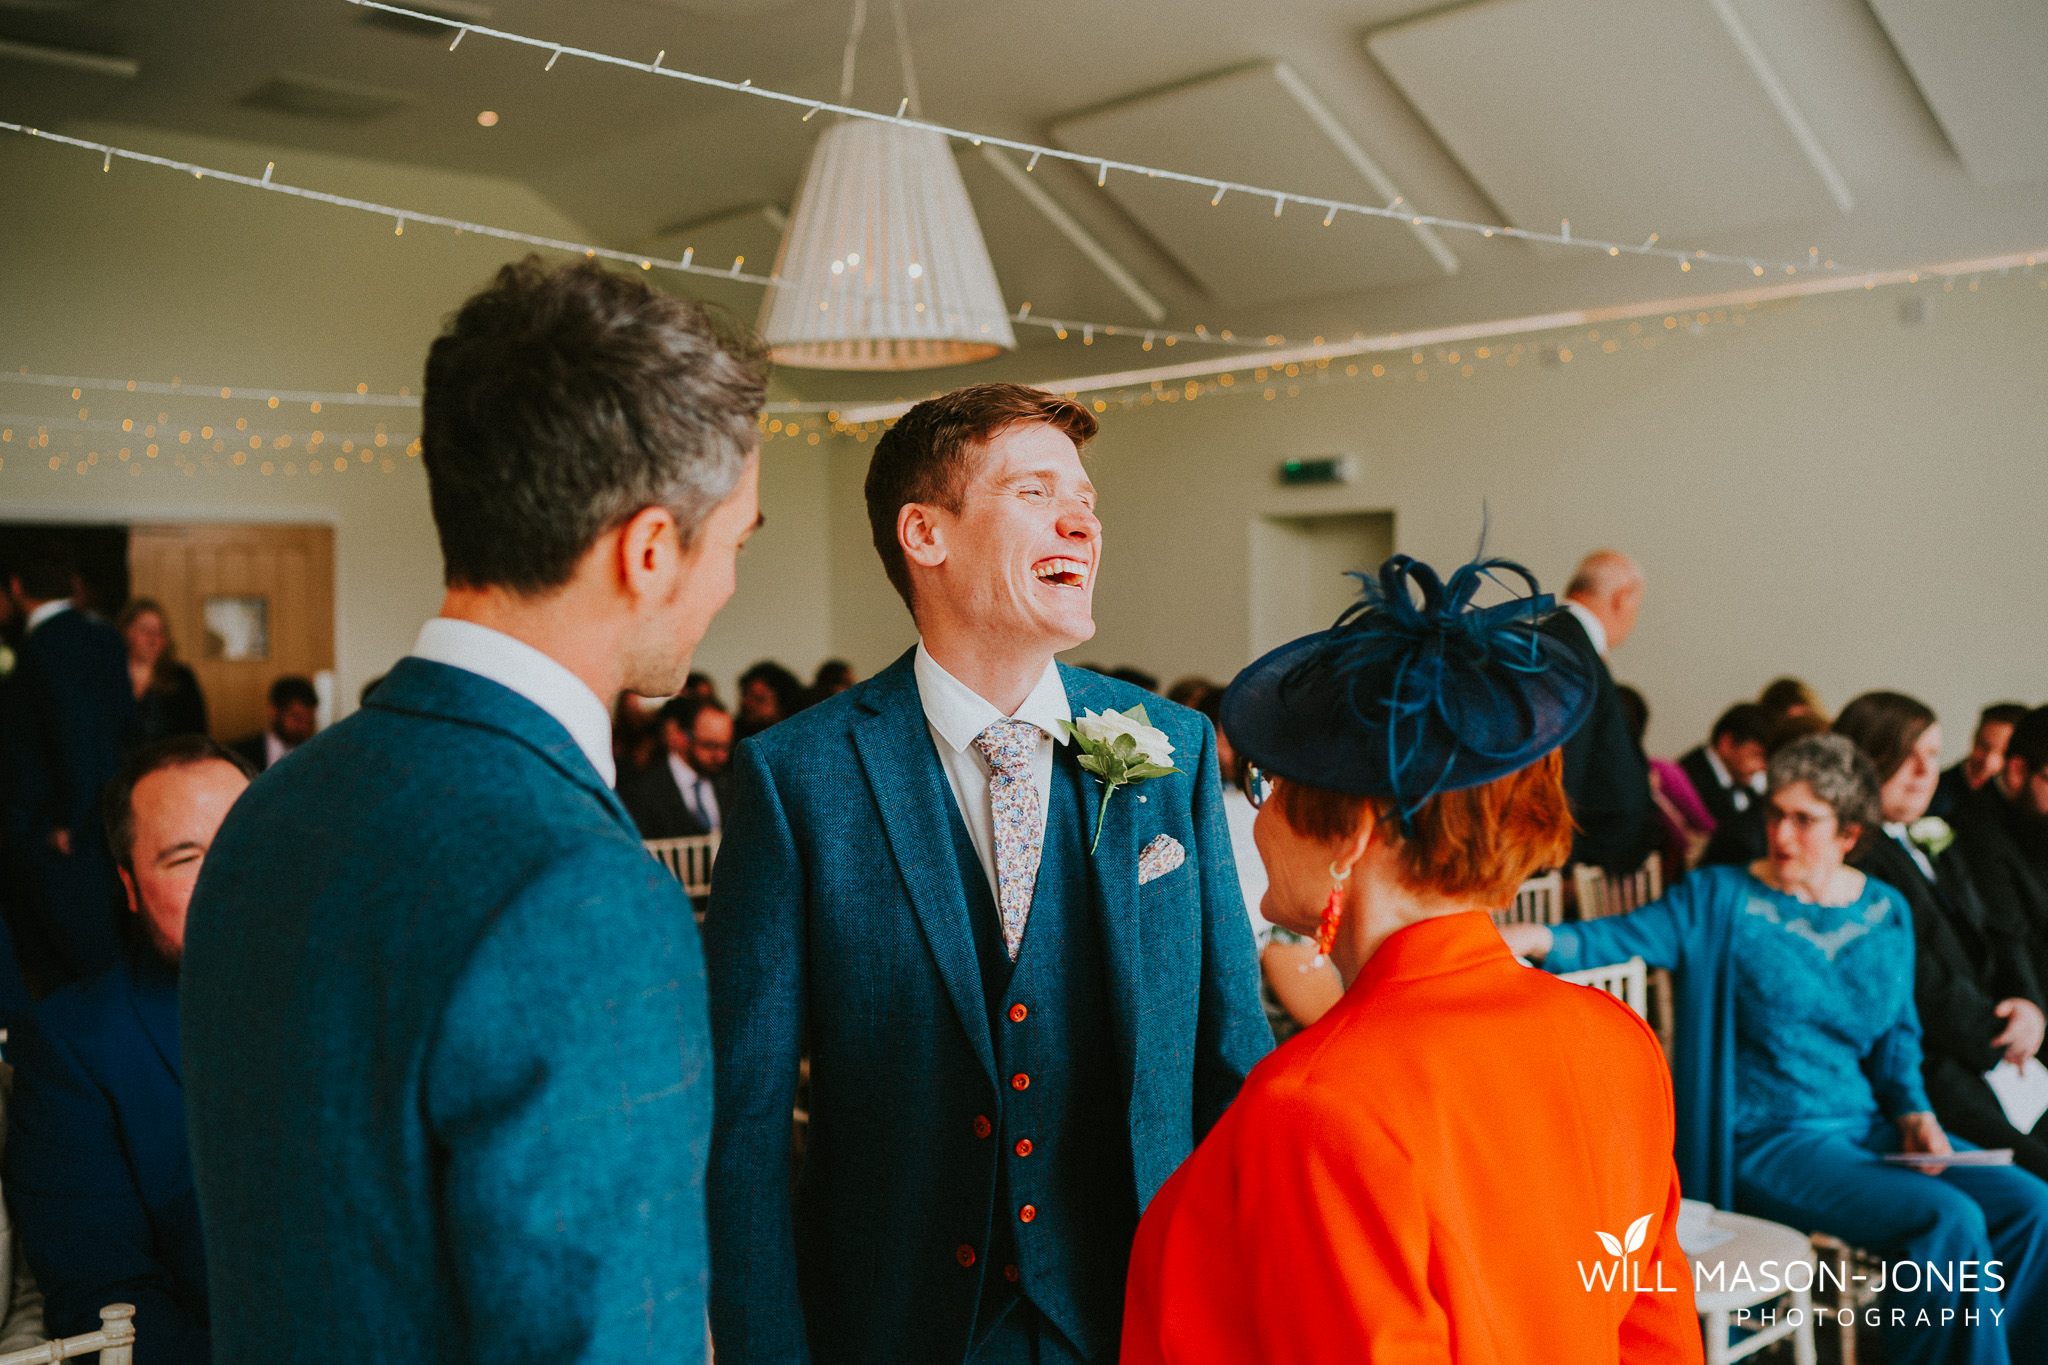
(1818, 490)
(141, 273)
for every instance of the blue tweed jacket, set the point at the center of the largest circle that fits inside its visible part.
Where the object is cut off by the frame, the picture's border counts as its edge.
(447, 1063)
(838, 914)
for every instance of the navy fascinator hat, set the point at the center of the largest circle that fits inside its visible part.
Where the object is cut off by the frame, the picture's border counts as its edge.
(1405, 698)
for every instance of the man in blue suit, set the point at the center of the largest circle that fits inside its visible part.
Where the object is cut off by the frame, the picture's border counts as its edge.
(97, 1168)
(1015, 1037)
(446, 1055)
(66, 716)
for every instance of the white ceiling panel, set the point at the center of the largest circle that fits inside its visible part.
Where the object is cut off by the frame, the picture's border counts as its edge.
(1625, 116)
(1982, 66)
(1259, 126)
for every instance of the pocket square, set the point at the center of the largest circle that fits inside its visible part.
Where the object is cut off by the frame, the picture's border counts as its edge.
(1160, 857)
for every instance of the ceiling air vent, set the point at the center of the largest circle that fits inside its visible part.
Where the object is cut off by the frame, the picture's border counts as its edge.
(315, 98)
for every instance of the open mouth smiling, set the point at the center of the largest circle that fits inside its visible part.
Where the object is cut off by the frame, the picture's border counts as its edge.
(1061, 573)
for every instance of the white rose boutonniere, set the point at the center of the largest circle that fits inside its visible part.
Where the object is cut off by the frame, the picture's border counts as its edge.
(1120, 748)
(1932, 834)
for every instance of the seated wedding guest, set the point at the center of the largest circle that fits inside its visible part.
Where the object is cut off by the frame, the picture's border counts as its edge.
(1606, 776)
(1728, 770)
(96, 1165)
(1353, 1204)
(2002, 834)
(768, 693)
(167, 694)
(1680, 814)
(1984, 761)
(1791, 697)
(833, 677)
(1797, 1064)
(1191, 690)
(700, 685)
(684, 794)
(292, 713)
(1974, 981)
(1741, 839)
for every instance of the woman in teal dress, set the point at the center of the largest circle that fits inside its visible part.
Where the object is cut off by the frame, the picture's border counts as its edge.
(1797, 1068)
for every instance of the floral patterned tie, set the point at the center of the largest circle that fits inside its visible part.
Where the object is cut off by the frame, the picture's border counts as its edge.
(1009, 746)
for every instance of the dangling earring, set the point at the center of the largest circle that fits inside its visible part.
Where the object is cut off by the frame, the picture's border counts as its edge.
(1333, 915)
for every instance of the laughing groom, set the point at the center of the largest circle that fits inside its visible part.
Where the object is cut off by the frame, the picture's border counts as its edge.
(1013, 1040)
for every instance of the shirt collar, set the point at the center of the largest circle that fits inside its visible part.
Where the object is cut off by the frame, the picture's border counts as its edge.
(533, 675)
(1721, 773)
(1594, 630)
(47, 610)
(957, 713)
(686, 777)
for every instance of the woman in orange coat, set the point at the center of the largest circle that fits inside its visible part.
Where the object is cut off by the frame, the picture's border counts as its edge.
(1465, 1160)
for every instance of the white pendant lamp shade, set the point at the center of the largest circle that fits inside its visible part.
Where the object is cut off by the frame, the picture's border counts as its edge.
(883, 266)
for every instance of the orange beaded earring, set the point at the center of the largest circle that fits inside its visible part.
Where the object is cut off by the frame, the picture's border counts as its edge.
(1333, 915)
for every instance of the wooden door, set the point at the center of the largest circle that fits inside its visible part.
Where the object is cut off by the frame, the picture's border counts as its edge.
(247, 605)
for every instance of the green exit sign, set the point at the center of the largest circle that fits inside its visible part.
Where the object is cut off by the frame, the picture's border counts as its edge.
(1321, 470)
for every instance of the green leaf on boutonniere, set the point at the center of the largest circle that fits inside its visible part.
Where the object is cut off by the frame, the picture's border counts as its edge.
(1120, 748)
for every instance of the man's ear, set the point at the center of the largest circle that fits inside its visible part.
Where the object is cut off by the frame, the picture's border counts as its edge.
(920, 535)
(128, 885)
(649, 550)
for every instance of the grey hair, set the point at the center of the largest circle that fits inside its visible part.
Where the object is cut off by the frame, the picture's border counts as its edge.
(1837, 772)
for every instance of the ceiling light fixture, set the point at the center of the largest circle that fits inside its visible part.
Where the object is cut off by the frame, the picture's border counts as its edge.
(883, 266)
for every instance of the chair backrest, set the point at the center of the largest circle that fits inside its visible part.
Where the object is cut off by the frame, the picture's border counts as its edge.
(1540, 900)
(115, 1342)
(1601, 895)
(1625, 981)
(689, 858)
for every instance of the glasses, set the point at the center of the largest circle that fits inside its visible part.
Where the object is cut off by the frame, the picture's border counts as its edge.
(1257, 786)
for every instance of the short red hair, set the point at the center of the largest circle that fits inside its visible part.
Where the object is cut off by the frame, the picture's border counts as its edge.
(1478, 843)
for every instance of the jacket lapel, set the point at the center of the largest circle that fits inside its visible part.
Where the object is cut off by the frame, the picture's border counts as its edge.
(1112, 871)
(910, 790)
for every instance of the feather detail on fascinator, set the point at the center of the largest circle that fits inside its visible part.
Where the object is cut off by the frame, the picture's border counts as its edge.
(1415, 690)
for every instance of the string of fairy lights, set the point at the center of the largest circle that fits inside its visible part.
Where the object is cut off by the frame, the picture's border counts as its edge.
(192, 442)
(1398, 210)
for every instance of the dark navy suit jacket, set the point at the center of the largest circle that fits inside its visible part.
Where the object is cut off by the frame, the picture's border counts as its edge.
(97, 1170)
(838, 912)
(446, 1055)
(66, 716)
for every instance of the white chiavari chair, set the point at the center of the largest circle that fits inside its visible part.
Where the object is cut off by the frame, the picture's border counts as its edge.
(690, 859)
(1539, 900)
(1600, 895)
(115, 1342)
(1622, 980)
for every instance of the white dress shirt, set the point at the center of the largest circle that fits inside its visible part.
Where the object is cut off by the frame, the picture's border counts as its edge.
(533, 675)
(697, 791)
(1738, 792)
(1595, 631)
(1898, 831)
(46, 611)
(273, 749)
(955, 713)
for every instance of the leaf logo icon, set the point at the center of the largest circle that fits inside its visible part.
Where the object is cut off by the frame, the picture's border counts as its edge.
(1637, 1231)
(1607, 1240)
